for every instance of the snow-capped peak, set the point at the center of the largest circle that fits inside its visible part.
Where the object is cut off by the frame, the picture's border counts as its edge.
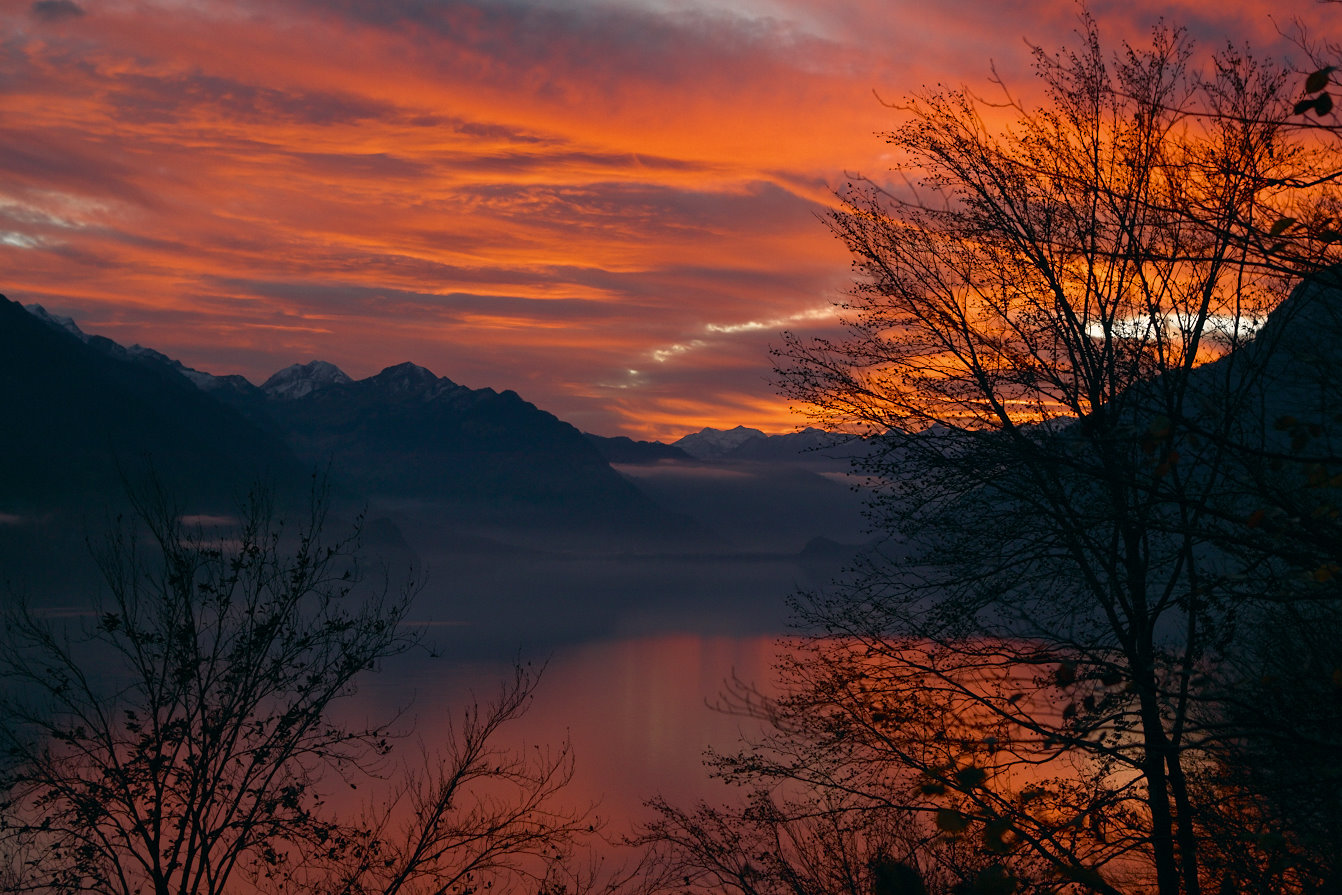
(56, 320)
(299, 380)
(721, 439)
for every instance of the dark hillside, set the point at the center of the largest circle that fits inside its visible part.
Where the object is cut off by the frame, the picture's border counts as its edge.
(408, 434)
(78, 421)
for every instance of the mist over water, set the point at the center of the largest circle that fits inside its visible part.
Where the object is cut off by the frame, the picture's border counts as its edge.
(637, 634)
(491, 591)
(636, 631)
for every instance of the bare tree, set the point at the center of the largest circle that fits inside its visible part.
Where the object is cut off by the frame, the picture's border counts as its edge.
(183, 738)
(822, 839)
(473, 815)
(1045, 339)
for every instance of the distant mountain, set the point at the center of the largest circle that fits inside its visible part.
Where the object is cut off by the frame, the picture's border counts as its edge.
(621, 449)
(404, 435)
(410, 434)
(220, 385)
(715, 444)
(300, 380)
(85, 407)
(82, 414)
(742, 443)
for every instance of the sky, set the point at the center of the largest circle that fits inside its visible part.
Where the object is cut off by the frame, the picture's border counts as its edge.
(612, 207)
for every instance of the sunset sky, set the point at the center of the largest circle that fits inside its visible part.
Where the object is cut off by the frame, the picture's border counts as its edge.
(610, 206)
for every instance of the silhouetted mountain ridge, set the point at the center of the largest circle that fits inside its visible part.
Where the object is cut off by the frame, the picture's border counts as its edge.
(84, 414)
(745, 444)
(403, 434)
(407, 433)
(622, 449)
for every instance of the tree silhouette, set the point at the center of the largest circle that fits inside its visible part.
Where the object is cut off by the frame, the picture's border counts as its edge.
(1045, 340)
(184, 739)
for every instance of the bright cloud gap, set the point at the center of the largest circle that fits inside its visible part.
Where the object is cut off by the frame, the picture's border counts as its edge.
(662, 355)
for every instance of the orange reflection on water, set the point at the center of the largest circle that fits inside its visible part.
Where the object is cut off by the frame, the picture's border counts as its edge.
(637, 712)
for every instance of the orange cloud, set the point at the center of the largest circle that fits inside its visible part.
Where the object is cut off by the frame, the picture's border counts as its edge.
(526, 195)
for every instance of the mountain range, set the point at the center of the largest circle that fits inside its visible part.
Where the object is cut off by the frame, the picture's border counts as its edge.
(522, 530)
(86, 414)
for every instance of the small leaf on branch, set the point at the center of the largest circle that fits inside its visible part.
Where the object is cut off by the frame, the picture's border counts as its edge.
(1318, 80)
(1321, 104)
(970, 777)
(951, 821)
(1065, 675)
(998, 836)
